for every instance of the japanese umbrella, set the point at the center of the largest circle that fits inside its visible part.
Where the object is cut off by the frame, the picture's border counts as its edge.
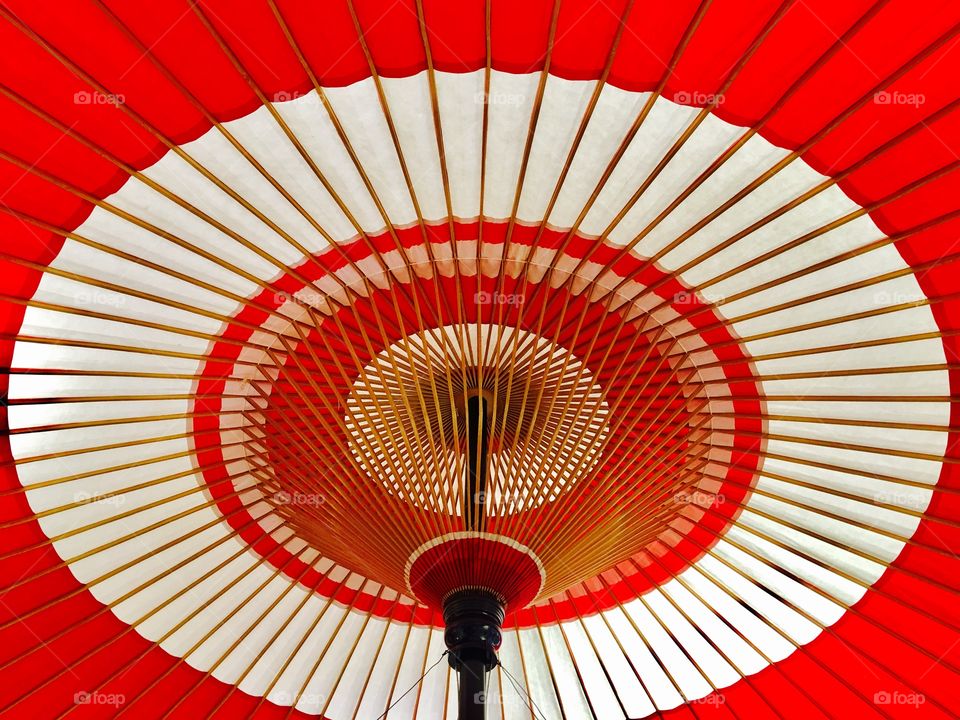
(604, 348)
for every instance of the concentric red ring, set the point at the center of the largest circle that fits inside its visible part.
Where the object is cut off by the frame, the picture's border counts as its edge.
(518, 42)
(704, 528)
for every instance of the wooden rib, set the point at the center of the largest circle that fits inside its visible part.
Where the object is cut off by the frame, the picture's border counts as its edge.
(132, 627)
(799, 504)
(611, 165)
(208, 175)
(854, 610)
(438, 130)
(811, 193)
(238, 640)
(414, 299)
(724, 621)
(876, 280)
(688, 33)
(826, 537)
(132, 563)
(385, 535)
(668, 630)
(440, 297)
(180, 661)
(785, 161)
(460, 471)
(697, 310)
(609, 447)
(76, 70)
(521, 176)
(106, 546)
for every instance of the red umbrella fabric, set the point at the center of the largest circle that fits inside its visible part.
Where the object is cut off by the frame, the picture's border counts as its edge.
(696, 260)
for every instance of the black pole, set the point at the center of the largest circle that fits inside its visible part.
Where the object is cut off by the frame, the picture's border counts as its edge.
(473, 701)
(474, 619)
(478, 449)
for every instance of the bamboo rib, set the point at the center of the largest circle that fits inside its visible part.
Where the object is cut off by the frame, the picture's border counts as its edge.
(310, 405)
(131, 628)
(731, 80)
(829, 293)
(440, 297)
(823, 628)
(793, 548)
(688, 33)
(243, 635)
(764, 177)
(420, 324)
(837, 676)
(521, 176)
(76, 70)
(679, 578)
(690, 129)
(217, 626)
(47, 604)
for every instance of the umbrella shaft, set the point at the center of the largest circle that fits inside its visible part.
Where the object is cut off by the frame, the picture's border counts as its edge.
(473, 701)
(478, 444)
